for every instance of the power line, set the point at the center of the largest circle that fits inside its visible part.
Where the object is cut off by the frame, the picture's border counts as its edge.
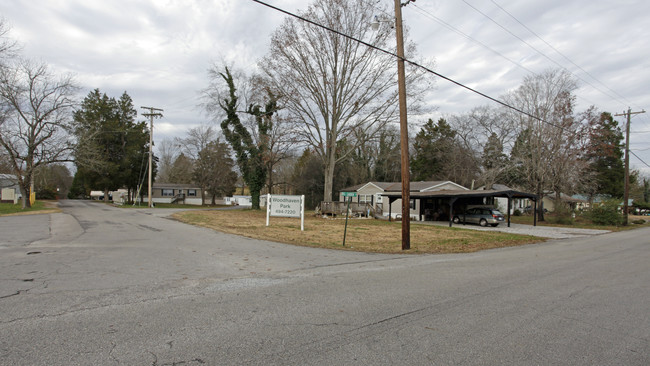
(413, 63)
(452, 28)
(538, 51)
(641, 160)
(561, 54)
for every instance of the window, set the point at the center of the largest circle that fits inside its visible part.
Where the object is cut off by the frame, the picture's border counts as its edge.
(167, 192)
(365, 198)
(191, 192)
(412, 203)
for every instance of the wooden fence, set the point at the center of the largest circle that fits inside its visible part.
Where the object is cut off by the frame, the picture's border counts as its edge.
(339, 208)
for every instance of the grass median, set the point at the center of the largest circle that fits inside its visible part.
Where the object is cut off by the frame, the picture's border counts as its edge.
(365, 235)
(39, 207)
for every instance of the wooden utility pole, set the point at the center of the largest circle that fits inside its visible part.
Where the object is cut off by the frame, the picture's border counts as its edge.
(626, 195)
(151, 115)
(403, 124)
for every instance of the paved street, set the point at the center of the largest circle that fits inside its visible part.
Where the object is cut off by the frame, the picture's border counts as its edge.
(99, 285)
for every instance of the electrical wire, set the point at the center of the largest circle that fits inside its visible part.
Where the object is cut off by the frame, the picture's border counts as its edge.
(538, 51)
(413, 63)
(622, 98)
(470, 38)
(641, 160)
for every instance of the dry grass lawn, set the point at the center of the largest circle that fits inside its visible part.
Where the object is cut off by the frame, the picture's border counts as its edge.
(366, 235)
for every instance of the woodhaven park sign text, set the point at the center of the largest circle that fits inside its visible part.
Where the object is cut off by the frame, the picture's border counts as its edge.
(285, 206)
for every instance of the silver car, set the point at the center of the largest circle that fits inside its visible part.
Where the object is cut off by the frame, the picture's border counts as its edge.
(481, 216)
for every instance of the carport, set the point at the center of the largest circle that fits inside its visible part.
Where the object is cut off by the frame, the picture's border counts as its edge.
(455, 195)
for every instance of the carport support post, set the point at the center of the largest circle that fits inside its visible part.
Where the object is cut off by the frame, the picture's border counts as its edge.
(535, 214)
(509, 207)
(451, 210)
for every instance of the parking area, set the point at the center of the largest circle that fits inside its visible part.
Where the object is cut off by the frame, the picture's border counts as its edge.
(541, 231)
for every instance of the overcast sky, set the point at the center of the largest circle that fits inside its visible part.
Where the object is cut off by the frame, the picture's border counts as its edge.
(159, 50)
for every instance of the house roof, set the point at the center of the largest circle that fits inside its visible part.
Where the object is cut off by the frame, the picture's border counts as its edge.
(381, 185)
(463, 193)
(420, 186)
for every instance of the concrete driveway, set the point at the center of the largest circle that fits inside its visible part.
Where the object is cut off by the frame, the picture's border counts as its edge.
(540, 231)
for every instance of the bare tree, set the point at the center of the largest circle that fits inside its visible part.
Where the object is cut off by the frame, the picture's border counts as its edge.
(35, 111)
(548, 154)
(333, 86)
(8, 46)
(168, 151)
(196, 140)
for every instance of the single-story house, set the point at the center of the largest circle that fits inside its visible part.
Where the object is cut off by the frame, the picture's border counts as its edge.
(574, 203)
(373, 192)
(9, 189)
(175, 193)
(501, 203)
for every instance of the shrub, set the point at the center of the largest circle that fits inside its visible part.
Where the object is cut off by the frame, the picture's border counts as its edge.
(563, 219)
(516, 213)
(606, 213)
(639, 221)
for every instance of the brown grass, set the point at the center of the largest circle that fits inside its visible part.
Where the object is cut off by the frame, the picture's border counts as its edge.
(366, 235)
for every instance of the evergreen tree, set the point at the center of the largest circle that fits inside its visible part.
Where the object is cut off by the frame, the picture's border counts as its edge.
(111, 145)
(605, 154)
(432, 145)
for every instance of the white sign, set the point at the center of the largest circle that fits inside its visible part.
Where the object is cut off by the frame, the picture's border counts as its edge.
(286, 206)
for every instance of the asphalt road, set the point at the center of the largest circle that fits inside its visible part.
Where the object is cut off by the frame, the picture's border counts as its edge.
(98, 285)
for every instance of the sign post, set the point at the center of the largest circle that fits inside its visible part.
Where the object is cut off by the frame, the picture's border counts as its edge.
(286, 206)
(349, 196)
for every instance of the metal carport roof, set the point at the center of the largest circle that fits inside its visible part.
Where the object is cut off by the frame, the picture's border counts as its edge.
(454, 195)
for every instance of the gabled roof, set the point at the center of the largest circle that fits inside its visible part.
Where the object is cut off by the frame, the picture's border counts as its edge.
(421, 186)
(381, 185)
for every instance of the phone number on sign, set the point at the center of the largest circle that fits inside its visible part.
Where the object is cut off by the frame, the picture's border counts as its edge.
(285, 212)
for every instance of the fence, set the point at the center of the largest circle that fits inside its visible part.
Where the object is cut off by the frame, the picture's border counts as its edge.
(339, 208)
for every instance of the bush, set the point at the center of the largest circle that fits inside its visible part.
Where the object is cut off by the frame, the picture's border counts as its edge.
(606, 214)
(47, 193)
(516, 213)
(563, 219)
(638, 222)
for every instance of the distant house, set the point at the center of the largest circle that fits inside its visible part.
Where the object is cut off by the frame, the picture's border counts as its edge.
(188, 194)
(244, 201)
(501, 203)
(9, 189)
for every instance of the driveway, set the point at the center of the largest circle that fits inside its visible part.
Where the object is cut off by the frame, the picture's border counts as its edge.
(99, 285)
(540, 231)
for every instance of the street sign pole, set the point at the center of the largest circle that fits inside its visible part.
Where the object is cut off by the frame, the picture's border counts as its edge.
(347, 215)
(349, 196)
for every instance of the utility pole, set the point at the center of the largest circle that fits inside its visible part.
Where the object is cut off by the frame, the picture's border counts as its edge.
(151, 116)
(403, 127)
(626, 195)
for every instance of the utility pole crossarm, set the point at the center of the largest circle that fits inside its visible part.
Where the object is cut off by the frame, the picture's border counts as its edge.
(151, 116)
(626, 196)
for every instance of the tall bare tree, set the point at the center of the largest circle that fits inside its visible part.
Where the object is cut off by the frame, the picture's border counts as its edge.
(334, 86)
(168, 151)
(35, 111)
(547, 153)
